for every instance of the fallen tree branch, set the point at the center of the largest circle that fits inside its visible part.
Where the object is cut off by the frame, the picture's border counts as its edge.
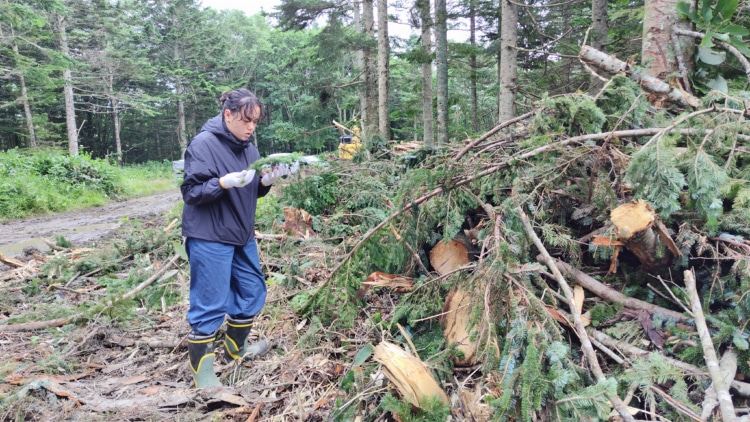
(588, 348)
(38, 325)
(709, 353)
(612, 65)
(603, 291)
(728, 47)
(491, 132)
(150, 280)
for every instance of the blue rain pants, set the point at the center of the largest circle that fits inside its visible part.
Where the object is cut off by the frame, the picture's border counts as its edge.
(224, 280)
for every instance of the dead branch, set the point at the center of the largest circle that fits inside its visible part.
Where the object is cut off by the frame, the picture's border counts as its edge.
(603, 291)
(38, 325)
(414, 253)
(588, 348)
(150, 280)
(709, 353)
(491, 132)
(612, 65)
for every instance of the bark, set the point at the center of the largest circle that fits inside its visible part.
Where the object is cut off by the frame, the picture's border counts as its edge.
(648, 83)
(180, 90)
(508, 64)
(383, 57)
(370, 116)
(599, 289)
(441, 44)
(359, 59)
(428, 120)
(660, 58)
(31, 141)
(598, 36)
(70, 112)
(115, 115)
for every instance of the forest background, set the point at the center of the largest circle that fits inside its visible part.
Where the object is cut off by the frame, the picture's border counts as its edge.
(532, 132)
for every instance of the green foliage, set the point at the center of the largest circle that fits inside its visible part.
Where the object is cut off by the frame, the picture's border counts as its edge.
(714, 19)
(602, 312)
(43, 181)
(623, 104)
(431, 410)
(705, 180)
(574, 114)
(316, 193)
(656, 177)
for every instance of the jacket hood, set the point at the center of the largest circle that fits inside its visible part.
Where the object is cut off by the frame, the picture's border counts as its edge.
(217, 126)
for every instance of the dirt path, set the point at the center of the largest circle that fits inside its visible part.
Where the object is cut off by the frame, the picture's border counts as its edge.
(82, 226)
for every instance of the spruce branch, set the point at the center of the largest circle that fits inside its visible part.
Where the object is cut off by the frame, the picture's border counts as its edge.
(588, 348)
(709, 353)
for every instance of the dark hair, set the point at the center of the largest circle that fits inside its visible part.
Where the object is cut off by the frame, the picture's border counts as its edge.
(242, 101)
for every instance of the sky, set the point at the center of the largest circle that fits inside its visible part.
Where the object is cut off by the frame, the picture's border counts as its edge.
(251, 7)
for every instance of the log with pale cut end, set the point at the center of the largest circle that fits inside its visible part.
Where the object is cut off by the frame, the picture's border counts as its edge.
(446, 257)
(634, 224)
(456, 320)
(410, 375)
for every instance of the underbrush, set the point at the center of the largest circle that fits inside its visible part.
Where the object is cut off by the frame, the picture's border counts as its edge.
(46, 181)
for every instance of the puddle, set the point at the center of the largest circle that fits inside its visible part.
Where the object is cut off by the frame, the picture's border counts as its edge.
(76, 235)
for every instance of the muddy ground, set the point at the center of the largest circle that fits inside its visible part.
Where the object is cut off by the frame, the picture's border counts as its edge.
(84, 226)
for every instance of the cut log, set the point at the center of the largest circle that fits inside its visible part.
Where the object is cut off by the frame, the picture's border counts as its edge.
(456, 320)
(298, 222)
(634, 224)
(397, 283)
(447, 257)
(412, 378)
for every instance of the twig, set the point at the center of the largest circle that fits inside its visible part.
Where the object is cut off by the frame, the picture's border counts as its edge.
(408, 339)
(150, 280)
(491, 132)
(83, 341)
(676, 404)
(413, 252)
(588, 348)
(709, 353)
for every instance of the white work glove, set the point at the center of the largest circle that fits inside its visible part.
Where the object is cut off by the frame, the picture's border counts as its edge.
(237, 179)
(282, 170)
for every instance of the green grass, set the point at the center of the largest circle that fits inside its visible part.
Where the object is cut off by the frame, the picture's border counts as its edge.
(44, 181)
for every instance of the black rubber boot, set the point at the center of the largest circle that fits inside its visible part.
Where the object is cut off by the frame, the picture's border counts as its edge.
(235, 340)
(201, 358)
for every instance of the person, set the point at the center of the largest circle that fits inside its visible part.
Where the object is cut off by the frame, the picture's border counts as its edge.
(220, 194)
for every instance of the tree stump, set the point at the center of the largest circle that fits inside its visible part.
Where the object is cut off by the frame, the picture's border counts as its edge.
(640, 230)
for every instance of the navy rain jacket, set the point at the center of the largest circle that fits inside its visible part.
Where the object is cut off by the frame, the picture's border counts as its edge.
(212, 212)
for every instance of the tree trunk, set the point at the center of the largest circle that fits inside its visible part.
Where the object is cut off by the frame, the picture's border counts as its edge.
(371, 99)
(70, 112)
(31, 142)
(658, 55)
(441, 44)
(428, 120)
(383, 56)
(473, 66)
(508, 64)
(598, 36)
